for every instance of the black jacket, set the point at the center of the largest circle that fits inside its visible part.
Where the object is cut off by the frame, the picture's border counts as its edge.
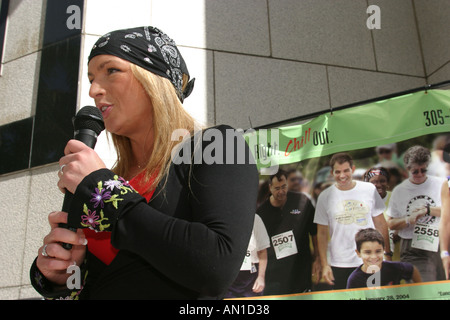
(188, 242)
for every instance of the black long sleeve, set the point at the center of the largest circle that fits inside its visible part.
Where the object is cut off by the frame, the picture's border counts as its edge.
(194, 232)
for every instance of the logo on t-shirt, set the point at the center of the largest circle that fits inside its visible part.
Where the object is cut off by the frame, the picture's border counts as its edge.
(352, 211)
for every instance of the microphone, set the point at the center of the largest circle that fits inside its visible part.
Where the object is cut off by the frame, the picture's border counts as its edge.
(87, 124)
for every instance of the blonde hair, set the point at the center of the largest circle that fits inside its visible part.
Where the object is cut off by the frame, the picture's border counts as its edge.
(168, 115)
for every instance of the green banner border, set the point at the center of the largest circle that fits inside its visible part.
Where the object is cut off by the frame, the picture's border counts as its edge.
(382, 122)
(437, 290)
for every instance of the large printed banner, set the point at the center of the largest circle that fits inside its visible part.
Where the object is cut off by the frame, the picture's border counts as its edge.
(375, 134)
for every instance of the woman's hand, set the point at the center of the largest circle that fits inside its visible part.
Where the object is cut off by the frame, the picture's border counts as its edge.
(53, 260)
(78, 162)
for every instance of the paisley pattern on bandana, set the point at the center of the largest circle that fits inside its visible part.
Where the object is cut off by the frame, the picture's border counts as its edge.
(149, 48)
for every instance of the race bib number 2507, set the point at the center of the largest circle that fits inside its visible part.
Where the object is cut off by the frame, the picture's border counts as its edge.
(284, 244)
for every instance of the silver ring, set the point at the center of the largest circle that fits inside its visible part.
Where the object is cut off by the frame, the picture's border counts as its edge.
(61, 169)
(44, 251)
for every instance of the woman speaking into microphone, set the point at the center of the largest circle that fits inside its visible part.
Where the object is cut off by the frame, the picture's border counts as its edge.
(158, 225)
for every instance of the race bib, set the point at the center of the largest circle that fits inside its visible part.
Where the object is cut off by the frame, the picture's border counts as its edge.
(426, 237)
(247, 264)
(284, 244)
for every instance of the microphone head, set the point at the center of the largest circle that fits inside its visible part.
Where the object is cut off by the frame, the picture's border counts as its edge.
(89, 117)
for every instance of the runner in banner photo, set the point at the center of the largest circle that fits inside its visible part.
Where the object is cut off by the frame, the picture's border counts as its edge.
(155, 228)
(380, 177)
(341, 211)
(251, 280)
(375, 271)
(288, 218)
(444, 228)
(415, 210)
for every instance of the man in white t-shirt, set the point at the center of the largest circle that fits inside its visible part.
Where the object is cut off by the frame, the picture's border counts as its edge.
(415, 210)
(342, 210)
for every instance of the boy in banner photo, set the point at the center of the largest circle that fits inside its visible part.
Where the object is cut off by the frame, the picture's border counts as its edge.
(375, 271)
(342, 210)
(415, 210)
(288, 218)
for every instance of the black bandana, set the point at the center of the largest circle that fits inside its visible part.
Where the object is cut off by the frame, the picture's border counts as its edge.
(149, 48)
